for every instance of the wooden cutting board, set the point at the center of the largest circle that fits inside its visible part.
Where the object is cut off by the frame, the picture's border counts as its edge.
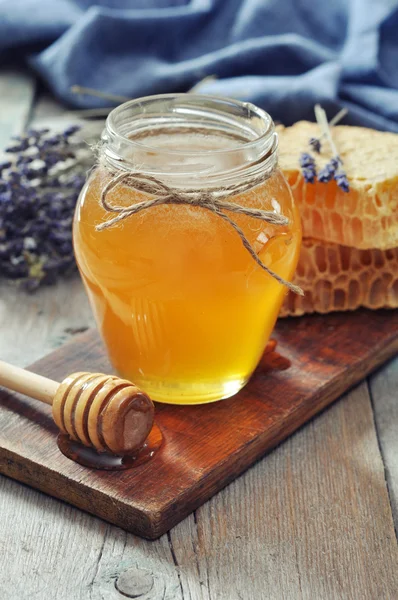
(205, 447)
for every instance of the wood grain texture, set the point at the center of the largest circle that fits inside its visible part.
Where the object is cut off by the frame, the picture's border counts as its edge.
(205, 447)
(298, 525)
(48, 550)
(383, 387)
(47, 319)
(17, 89)
(80, 558)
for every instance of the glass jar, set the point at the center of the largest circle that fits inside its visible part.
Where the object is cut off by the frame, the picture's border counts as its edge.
(182, 306)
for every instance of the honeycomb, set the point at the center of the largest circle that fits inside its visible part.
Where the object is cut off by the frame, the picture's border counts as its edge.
(337, 278)
(367, 216)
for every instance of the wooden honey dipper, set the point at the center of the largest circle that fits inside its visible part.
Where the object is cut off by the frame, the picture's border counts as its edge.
(101, 411)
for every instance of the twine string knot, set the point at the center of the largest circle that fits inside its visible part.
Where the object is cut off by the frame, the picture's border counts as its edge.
(216, 200)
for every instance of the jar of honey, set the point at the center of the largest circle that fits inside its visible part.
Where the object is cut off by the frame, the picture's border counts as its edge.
(183, 287)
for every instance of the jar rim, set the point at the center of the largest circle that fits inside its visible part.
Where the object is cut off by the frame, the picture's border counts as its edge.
(265, 136)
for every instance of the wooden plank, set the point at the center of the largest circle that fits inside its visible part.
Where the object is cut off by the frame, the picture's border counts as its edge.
(47, 112)
(34, 324)
(36, 535)
(126, 562)
(51, 551)
(311, 520)
(17, 90)
(384, 393)
(205, 447)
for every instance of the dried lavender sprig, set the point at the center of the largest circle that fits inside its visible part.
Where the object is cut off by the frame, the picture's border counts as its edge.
(89, 113)
(316, 143)
(342, 181)
(79, 89)
(337, 118)
(308, 167)
(329, 170)
(339, 174)
(115, 98)
(39, 187)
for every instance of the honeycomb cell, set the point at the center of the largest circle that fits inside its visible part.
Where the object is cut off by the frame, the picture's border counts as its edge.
(345, 279)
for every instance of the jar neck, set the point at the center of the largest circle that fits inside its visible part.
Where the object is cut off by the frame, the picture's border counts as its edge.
(190, 141)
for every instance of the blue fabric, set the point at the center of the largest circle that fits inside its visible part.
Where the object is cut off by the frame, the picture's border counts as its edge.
(284, 55)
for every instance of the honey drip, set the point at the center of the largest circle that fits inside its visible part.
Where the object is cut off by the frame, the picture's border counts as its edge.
(88, 457)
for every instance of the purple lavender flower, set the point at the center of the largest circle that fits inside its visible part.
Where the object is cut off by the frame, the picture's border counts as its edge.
(332, 170)
(39, 187)
(342, 181)
(14, 177)
(54, 183)
(315, 144)
(306, 160)
(308, 167)
(34, 173)
(53, 158)
(37, 133)
(328, 172)
(309, 175)
(69, 131)
(5, 197)
(52, 141)
(5, 165)
(24, 160)
(12, 149)
(77, 181)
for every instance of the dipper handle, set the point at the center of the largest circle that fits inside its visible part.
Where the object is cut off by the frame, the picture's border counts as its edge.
(28, 383)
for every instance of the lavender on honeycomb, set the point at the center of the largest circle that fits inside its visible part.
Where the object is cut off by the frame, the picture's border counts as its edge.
(333, 169)
(315, 144)
(308, 168)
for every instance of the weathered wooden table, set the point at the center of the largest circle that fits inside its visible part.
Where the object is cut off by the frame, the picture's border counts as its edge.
(312, 520)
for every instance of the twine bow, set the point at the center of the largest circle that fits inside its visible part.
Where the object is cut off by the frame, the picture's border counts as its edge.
(214, 200)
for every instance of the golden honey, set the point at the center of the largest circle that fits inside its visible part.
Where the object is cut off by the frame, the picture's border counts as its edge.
(183, 309)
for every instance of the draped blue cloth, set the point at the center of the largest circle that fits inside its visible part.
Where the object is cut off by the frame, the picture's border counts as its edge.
(284, 55)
